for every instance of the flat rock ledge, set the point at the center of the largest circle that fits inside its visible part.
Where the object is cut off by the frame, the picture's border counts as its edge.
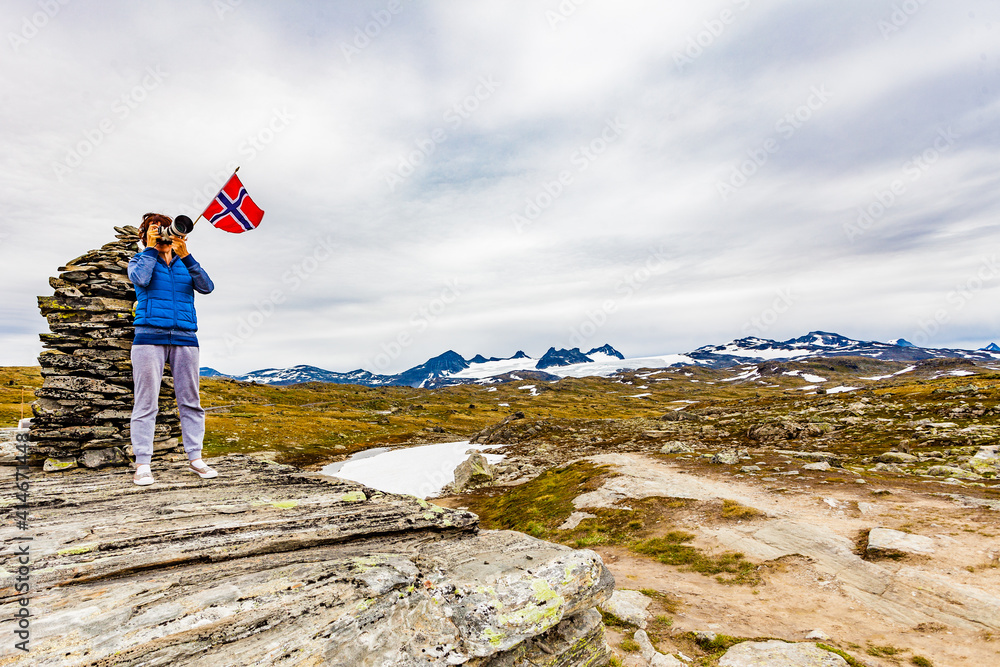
(270, 565)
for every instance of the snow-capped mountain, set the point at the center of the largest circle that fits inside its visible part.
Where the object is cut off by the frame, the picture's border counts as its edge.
(440, 366)
(451, 368)
(823, 344)
(304, 373)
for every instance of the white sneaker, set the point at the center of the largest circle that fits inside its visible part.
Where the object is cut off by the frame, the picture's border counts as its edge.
(143, 477)
(202, 471)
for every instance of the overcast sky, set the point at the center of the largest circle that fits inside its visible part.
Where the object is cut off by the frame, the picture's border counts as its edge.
(500, 175)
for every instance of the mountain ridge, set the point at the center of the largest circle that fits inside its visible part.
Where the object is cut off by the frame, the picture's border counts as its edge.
(452, 368)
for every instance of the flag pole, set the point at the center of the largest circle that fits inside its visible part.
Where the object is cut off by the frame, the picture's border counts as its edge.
(202, 214)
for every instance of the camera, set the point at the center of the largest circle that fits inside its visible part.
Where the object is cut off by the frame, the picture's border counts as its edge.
(181, 226)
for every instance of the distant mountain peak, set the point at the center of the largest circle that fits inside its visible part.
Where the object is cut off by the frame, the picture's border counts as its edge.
(443, 364)
(480, 359)
(556, 357)
(902, 342)
(821, 339)
(608, 350)
(992, 347)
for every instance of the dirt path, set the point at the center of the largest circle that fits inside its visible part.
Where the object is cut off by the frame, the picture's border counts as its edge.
(945, 606)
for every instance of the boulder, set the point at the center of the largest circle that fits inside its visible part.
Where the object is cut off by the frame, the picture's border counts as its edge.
(885, 542)
(952, 471)
(98, 458)
(775, 653)
(897, 457)
(727, 457)
(780, 430)
(649, 653)
(473, 471)
(986, 461)
(59, 465)
(676, 447)
(819, 465)
(629, 606)
(267, 561)
(574, 520)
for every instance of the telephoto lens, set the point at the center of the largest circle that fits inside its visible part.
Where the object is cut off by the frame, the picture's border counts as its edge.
(181, 226)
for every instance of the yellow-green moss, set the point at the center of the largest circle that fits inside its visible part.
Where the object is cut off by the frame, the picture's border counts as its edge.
(82, 549)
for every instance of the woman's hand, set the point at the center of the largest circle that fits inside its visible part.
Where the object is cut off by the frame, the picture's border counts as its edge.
(180, 246)
(152, 233)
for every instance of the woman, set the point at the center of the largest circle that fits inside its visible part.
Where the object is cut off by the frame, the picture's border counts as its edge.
(166, 276)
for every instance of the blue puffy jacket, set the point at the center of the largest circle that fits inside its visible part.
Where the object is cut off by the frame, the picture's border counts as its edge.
(165, 294)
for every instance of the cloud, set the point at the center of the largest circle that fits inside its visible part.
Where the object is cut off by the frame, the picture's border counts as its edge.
(410, 141)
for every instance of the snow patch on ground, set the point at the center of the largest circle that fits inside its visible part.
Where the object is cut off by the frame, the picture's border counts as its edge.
(417, 471)
(776, 353)
(841, 389)
(908, 369)
(805, 376)
(747, 374)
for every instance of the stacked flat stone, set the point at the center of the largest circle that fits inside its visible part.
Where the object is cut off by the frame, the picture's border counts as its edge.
(84, 407)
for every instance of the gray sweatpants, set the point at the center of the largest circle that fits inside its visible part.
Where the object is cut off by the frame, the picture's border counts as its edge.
(147, 373)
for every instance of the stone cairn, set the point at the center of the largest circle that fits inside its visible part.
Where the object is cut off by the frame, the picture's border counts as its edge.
(83, 409)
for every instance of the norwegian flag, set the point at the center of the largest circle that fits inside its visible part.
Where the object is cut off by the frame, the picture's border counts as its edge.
(232, 210)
